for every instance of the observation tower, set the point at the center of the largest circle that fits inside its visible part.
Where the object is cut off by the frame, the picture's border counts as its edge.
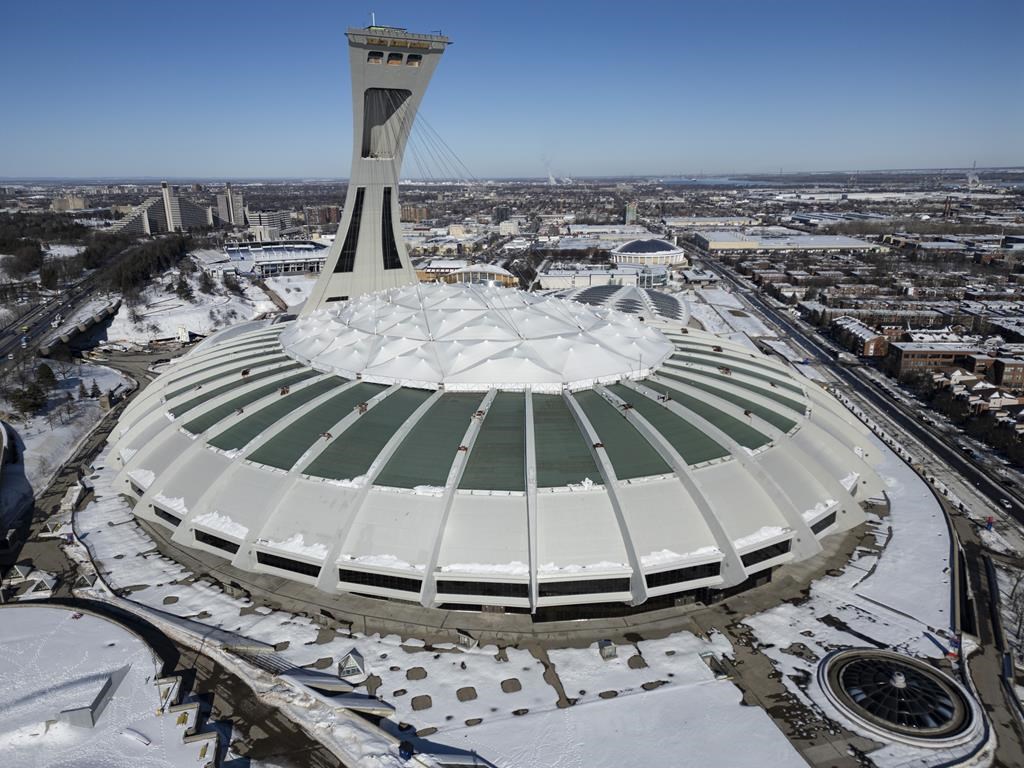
(390, 71)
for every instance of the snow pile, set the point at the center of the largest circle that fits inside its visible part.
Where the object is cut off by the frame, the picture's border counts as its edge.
(217, 522)
(142, 477)
(515, 568)
(819, 509)
(383, 561)
(604, 565)
(668, 556)
(850, 481)
(298, 545)
(171, 504)
(761, 534)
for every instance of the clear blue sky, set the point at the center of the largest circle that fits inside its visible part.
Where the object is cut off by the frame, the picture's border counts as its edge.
(260, 89)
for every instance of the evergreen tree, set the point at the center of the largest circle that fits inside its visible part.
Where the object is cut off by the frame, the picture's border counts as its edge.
(94, 391)
(45, 377)
(82, 394)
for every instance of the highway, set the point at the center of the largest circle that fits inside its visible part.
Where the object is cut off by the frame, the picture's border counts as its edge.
(992, 488)
(39, 318)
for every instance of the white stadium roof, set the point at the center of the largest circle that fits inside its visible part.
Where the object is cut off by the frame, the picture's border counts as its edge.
(468, 337)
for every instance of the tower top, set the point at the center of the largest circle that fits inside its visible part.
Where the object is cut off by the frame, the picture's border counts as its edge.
(390, 70)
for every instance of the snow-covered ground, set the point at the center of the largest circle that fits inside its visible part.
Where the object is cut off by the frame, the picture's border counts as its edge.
(494, 701)
(161, 313)
(899, 597)
(50, 437)
(52, 660)
(293, 289)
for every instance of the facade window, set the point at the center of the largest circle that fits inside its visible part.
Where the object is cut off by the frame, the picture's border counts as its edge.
(767, 553)
(337, 298)
(380, 580)
(824, 523)
(215, 541)
(375, 57)
(679, 575)
(389, 249)
(394, 59)
(167, 516)
(589, 587)
(413, 59)
(485, 588)
(347, 259)
(287, 564)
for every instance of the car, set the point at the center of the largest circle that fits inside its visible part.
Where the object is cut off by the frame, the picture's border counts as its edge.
(1005, 503)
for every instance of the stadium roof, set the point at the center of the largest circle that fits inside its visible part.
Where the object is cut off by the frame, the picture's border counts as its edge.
(646, 246)
(717, 463)
(472, 337)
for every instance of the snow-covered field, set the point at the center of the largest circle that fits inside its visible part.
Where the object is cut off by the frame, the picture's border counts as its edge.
(52, 660)
(161, 313)
(293, 289)
(49, 438)
(494, 701)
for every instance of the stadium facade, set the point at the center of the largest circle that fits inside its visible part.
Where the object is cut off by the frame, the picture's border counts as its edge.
(476, 447)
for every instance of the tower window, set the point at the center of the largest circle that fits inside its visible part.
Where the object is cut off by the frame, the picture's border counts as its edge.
(347, 258)
(394, 59)
(389, 247)
(413, 59)
(375, 57)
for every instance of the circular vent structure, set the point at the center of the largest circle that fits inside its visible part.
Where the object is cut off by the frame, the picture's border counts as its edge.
(895, 696)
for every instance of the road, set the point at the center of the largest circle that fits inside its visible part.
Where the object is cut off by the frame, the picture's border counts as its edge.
(39, 318)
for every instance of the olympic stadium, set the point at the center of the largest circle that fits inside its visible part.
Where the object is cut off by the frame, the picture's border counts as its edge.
(479, 448)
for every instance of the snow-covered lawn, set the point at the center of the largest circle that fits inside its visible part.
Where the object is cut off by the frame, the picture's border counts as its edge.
(50, 437)
(161, 312)
(293, 289)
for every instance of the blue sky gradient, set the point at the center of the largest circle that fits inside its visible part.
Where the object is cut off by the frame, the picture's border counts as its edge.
(258, 89)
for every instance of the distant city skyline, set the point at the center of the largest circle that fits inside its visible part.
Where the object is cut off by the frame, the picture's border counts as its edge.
(259, 91)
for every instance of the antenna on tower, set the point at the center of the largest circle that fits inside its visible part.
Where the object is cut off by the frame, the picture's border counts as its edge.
(373, 19)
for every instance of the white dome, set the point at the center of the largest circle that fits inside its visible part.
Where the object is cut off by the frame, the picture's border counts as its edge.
(468, 337)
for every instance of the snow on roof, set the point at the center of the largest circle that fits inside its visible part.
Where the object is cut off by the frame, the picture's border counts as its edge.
(471, 337)
(54, 665)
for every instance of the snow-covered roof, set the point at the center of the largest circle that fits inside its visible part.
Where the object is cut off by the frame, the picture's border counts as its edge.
(470, 337)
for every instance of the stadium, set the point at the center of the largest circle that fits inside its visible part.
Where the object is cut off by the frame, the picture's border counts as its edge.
(472, 447)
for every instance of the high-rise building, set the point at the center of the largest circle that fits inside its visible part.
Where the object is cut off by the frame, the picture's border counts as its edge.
(231, 207)
(390, 72)
(631, 213)
(501, 213)
(415, 213)
(66, 203)
(166, 212)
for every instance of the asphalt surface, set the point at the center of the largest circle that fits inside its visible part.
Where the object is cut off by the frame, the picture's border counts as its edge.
(39, 319)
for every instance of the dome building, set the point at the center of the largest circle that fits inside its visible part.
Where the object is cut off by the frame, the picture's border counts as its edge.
(649, 252)
(466, 446)
(474, 447)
